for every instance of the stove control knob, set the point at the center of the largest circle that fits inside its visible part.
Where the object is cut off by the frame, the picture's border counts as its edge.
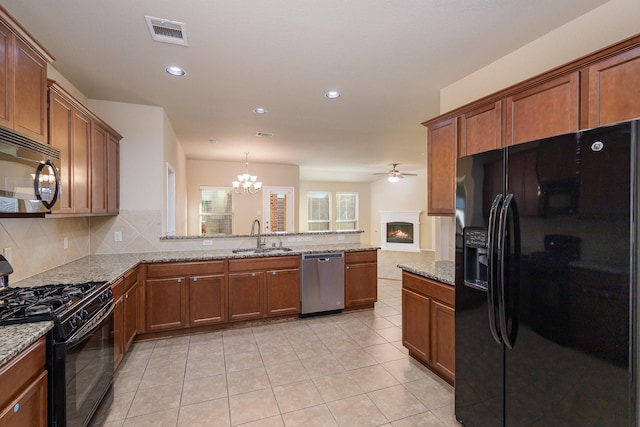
(74, 321)
(84, 315)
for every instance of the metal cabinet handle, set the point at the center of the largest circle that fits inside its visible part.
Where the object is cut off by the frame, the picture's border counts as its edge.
(179, 280)
(348, 267)
(195, 279)
(273, 272)
(253, 274)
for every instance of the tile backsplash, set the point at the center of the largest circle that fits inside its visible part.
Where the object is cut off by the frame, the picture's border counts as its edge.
(39, 244)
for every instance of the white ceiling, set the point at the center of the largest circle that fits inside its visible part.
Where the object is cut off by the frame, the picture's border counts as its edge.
(388, 59)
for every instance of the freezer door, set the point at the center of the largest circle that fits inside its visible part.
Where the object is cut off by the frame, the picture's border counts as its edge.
(479, 357)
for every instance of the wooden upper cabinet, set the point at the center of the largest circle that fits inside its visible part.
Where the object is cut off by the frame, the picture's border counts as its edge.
(481, 129)
(23, 83)
(614, 89)
(30, 92)
(99, 138)
(545, 110)
(441, 167)
(6, 76)
(113, 175)
(70, 132)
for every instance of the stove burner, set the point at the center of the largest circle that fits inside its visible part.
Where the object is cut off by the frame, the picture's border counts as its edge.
(46, 302)
(38, 309)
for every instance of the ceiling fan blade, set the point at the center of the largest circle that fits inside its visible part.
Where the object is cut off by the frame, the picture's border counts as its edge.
(408, 174)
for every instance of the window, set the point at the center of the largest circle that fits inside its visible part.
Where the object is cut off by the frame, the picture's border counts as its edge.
(216, 210)
(319, 211)
(346, 211)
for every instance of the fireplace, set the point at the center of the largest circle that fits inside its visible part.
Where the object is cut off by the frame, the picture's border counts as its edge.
(400, 230)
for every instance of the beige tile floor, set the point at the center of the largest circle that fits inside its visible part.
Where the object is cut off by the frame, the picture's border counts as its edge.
(339, 370)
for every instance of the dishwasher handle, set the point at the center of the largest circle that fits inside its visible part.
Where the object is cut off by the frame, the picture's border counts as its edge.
(324, 257)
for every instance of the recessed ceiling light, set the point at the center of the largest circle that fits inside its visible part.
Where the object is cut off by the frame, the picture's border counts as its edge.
(212, 141)
(260, 110)
(332, 94)
(175, 71)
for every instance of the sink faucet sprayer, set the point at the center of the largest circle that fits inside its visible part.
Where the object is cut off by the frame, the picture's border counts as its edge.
(253, 224)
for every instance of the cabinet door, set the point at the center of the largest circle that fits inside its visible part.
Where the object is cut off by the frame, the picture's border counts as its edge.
(481, 129)
(6, 76)
(130, 316)
(415, 323)
(443, 339)
(113, 175)
(613, 89)
(207, 304)
(118, 338)
(99, 139)
(441, 167)
(81, 162)
(360, 284)
(30, 93)
(545, 110)
(61, 120)
(166, 303)
(283, 292)
(246, 296)
(29, 408)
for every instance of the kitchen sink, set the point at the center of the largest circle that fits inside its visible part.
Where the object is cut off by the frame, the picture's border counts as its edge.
(276, 250)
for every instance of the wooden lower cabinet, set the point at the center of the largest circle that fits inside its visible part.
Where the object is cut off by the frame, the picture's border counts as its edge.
(263, 287)
(428, 327)
(246, 295)
(283, 292)
(130, 303)
(118, 319)
(180, 295)
(360, 279)
(207, 300)
(23, 381)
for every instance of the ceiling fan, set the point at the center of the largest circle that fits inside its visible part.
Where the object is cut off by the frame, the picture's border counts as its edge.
(394, 174)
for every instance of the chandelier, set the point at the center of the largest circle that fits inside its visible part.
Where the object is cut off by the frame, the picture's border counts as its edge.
(246, 182)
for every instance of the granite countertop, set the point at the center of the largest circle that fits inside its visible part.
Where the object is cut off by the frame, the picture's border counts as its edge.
(15, 338)
(109, 267)
(442, 271)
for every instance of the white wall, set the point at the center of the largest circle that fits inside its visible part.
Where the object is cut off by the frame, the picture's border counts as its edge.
(612, 22)
(173, 154)
(141, 151)
(246, 207)
(408, 194)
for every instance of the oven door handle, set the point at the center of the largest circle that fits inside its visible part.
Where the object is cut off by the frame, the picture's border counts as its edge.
(91, 326)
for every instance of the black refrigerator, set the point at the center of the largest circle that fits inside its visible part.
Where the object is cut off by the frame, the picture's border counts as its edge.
(546, 282)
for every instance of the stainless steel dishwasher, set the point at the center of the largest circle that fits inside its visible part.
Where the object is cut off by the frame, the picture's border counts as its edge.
(322, 283)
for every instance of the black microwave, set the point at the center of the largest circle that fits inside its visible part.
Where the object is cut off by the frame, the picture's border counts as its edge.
(558, 198)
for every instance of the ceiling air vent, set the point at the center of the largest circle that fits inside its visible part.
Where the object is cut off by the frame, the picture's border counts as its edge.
(166, 31)
(264, 134)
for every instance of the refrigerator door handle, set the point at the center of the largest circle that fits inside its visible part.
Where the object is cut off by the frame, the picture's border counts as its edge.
(492, 266)
(509, 323)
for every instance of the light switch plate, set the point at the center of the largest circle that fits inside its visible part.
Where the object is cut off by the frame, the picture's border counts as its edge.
(117, 236)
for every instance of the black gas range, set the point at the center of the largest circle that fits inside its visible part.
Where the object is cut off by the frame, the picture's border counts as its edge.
(79, 347)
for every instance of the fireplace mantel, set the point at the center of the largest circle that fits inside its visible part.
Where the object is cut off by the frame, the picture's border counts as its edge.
(411, 217)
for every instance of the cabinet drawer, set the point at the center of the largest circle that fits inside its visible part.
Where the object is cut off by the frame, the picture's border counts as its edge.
(428, 287)
(21, 370)
(171, 269)
(117, 289)
(130, 278)
(360, 257)
(260, 264)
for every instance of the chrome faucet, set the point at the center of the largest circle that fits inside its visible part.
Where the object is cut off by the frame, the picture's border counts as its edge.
(259, 242)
